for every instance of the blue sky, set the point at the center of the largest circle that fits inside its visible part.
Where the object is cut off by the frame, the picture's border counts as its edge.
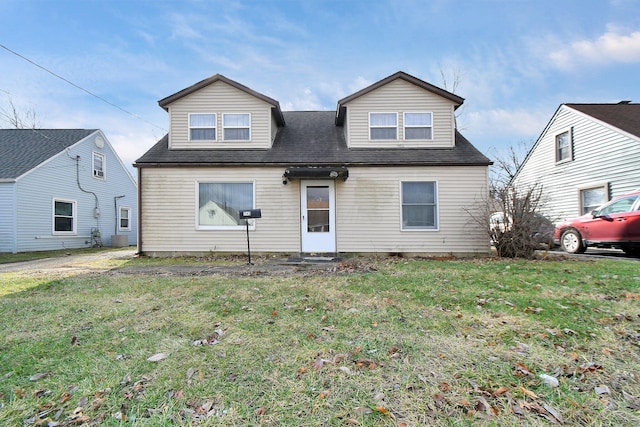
(514, 61)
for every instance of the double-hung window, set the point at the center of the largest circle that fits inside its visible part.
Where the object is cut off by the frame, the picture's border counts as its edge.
(99, 165)
(563, 147)
(202, 127)
(592, 198)
(236, 127)
(419, 205)
(418, 126)
(383, 126)
(124, 218)
(220, 202)
(64, 216)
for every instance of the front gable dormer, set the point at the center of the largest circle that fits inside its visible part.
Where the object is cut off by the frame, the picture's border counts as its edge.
(219, 113)
(399, 111)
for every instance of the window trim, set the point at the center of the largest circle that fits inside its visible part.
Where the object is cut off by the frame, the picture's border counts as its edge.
(74, 222)
(252, 222)
(95, 171)
(436, 211)
(215, 126)
(569, 132)
(396, 126)
(119, 219)
(405, 126)
(602, 185)
(224, 128)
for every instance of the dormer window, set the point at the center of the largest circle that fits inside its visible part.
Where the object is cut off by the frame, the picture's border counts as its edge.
(202, 127)
(418, 126)
(383, 126)
(236, 127)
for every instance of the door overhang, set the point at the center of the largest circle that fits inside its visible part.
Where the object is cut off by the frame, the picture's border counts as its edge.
(316, 172)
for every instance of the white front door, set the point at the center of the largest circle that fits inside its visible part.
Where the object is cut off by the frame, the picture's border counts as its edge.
(318, 221)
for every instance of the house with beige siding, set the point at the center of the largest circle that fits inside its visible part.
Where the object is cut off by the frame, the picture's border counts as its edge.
(386, 172)
(586, 155)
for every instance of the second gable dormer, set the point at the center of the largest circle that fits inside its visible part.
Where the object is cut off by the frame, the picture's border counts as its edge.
(399, 111)
(219, 113)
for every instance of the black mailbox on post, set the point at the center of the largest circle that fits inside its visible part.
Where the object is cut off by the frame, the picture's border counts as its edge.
(248, 214)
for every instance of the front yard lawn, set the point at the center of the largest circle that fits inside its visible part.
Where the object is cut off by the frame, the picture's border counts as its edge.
(390, 342)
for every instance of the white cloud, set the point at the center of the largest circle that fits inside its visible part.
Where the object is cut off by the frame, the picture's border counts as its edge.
(613, 46)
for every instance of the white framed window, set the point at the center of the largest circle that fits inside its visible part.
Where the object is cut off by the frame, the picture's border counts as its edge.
(418, 126)
(124, 218)
(99, 165)
(419, 205)
(236, 127)
(564, 149)
(64, 217)
(202, 127)
(219, 204)
(383, 126)
(593, 197)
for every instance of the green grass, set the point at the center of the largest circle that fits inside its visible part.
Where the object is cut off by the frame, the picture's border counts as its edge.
(411, 342)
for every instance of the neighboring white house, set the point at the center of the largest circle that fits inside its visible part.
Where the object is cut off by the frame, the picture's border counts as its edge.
(63, 188)
(587, 154)
(386, 172)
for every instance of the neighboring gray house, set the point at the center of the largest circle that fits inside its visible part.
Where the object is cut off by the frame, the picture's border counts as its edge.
(587, 154)
(385, 172)
(63, 188)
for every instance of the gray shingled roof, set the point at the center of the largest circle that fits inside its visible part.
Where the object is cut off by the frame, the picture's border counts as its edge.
(23, 149)
(624, 116)
(311, 138)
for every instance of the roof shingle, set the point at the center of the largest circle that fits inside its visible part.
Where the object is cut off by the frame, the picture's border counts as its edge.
(311, 138)
(23, 149)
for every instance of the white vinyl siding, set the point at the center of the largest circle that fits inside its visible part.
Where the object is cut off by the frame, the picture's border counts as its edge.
(401, 97)
(601, 154)
(221, 98)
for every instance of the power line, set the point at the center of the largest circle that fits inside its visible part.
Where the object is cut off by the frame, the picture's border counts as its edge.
(81, 88)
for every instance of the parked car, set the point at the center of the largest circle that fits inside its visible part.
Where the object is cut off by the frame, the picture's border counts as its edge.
(615, 224)
(538, 229)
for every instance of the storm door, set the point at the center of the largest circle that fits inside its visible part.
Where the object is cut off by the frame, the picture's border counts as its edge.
(318, 216)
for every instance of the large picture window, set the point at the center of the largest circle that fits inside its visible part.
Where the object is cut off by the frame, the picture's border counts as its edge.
(202, 127)
(64, 216)
(219, 203)
(418, 126)
(383, 126)
(236, 127)
(419, 205)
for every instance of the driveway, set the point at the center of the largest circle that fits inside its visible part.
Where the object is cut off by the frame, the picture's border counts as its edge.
(68, 264)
